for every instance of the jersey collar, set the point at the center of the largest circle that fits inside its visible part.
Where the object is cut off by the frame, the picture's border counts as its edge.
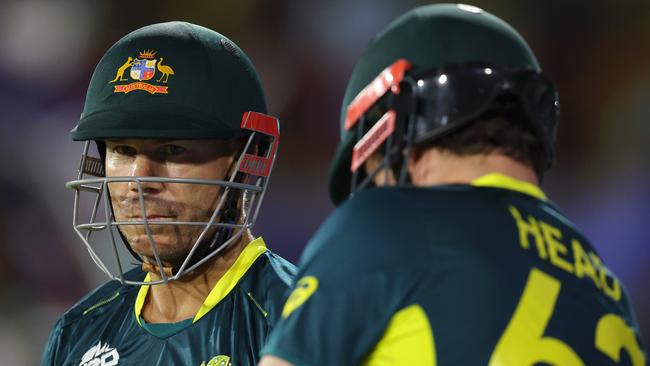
(497, 180)
(223, 287)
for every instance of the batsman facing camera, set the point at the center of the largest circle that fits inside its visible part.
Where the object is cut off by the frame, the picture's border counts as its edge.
(185, 153)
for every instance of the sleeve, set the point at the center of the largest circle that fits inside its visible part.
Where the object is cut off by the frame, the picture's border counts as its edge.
(50, 352)
(348, 287)
(331, 320)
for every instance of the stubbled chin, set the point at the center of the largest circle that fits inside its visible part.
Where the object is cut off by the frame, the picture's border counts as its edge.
(142, 241)
(166, 246)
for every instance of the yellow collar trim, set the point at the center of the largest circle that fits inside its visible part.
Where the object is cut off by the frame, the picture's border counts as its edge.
(498, 180)
(226, 283)
(139, 300)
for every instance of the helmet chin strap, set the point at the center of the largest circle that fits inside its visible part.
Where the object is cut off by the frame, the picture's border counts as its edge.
(153, 268)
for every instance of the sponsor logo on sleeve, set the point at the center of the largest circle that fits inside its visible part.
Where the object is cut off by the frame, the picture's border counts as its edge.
(305, 287)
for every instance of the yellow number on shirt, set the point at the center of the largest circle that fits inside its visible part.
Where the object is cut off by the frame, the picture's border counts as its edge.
(523, 342)
(613, 335)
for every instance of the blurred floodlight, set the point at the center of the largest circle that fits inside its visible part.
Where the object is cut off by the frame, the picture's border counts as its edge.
(44, 41)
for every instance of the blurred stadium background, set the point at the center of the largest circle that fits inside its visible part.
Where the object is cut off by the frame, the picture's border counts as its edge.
(596, 51)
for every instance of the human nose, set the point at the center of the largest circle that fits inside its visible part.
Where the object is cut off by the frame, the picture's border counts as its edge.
(144, 167)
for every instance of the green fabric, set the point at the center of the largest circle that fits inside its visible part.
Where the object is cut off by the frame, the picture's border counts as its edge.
(164, 330)
(212, 85)
(453, 250)
(103, 326)
(427, 36)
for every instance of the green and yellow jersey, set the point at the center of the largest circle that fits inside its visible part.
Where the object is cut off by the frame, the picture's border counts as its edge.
(484, 274)
(105, 328)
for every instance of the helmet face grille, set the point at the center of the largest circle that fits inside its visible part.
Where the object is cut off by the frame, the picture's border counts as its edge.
(234, 213)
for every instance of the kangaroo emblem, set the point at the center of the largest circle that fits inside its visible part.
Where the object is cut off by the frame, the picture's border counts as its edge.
(143, 67)
(165, 70)
(122, 69)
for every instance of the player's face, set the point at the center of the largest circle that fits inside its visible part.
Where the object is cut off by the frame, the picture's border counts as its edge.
(194, 159)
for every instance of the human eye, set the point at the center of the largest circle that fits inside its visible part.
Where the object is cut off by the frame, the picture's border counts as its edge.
(123, 150)
(171, 150)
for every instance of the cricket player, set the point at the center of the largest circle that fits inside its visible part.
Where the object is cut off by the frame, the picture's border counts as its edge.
(443, 249)
(186, 150)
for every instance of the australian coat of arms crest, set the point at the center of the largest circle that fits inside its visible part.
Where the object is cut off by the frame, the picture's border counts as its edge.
(141, 69)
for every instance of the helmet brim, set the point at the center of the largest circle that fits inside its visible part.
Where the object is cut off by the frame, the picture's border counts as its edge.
(123, 123)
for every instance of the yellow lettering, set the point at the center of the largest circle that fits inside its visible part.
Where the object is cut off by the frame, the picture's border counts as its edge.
(613, 291)
(549, 247)
(556, 249)
(582, 263)
(526, 229)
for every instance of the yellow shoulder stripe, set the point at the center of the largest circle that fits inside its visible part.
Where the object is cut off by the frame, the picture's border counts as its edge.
(408, 341)
(498, 180)
(226, 283)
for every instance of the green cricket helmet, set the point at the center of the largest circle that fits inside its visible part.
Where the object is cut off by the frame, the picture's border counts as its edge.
(175, 80)
(432, 71)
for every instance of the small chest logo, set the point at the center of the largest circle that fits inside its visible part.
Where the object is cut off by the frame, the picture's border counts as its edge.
(100, 355)
(142, 68)
(220, 360)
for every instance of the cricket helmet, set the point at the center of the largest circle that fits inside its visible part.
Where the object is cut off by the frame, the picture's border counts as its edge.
(175, 80)
(432, 71)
